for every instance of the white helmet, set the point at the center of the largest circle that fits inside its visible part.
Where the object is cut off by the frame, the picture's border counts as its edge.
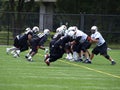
(71, 34)
(73, 28)
(46, 31)
(58, 29)
(28, 29)
(63, 27)
(35, 29)
(95, 28)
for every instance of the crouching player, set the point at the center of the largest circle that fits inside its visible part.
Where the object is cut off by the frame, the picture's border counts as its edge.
(101, 45)
(58, 50)
(36, 43)
(20, 43)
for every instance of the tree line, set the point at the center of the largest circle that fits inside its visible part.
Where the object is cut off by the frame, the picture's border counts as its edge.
(64, 6)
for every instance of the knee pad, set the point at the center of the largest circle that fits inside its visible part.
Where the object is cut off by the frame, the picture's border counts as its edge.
(107, 56)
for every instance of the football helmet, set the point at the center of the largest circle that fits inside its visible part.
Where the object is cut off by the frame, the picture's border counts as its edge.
(46, 31)
(35, 29)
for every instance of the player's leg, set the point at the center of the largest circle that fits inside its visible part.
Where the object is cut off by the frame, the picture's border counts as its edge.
(34, 50)
(109, 58)
(14, 48)
(68, 51)
(103, 51)
(91, 56)
(79, 53)
(10, 49)
(85, 46)
(95, 51)
(55, 55)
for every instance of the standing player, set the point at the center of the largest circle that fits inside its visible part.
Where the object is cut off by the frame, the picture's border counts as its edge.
(101, 46)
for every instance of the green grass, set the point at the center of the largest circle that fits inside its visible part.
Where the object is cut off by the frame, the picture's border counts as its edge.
(19, 74)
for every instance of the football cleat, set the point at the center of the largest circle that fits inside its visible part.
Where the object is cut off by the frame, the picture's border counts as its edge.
(87, 61)
(47, 62)
(29, 59)
(15, 55)
(113, 63)
(27, 55)
(79, 60)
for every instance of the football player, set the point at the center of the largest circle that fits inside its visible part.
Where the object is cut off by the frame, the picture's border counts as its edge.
(101, 45)
(20, 43)
(82, 44)
(36, 43)
(58, 50)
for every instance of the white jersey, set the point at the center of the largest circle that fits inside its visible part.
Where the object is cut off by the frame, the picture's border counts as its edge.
(66, 32)
(100, 38)
(82, 34)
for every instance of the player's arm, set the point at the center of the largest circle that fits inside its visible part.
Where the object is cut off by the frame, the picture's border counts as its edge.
(41, 43)
(76, 40)
(95, 40)
(73, 42)
(42, 47)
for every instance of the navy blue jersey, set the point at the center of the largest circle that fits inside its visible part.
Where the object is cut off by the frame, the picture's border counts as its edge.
(25, 36)
(43, 40)
(57, 36)
(62, 41)
(35, 39)
(23, 41)
(39, 40)
(57, 51)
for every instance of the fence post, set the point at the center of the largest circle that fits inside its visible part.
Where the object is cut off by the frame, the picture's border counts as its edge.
(41, 16)
(8, 29)
(82, 22)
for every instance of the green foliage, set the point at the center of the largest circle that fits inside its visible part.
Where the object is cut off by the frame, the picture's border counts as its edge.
(19, 6)
(65, 6)
(19, 74)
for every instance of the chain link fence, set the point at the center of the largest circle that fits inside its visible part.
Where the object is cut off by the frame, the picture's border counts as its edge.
(13, 23)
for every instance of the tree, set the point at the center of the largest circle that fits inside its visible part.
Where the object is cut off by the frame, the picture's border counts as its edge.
(15, 16)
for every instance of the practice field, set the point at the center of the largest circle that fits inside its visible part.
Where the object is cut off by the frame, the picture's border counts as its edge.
(19, 74)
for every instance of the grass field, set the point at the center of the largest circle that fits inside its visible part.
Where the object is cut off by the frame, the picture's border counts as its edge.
(19, 74)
